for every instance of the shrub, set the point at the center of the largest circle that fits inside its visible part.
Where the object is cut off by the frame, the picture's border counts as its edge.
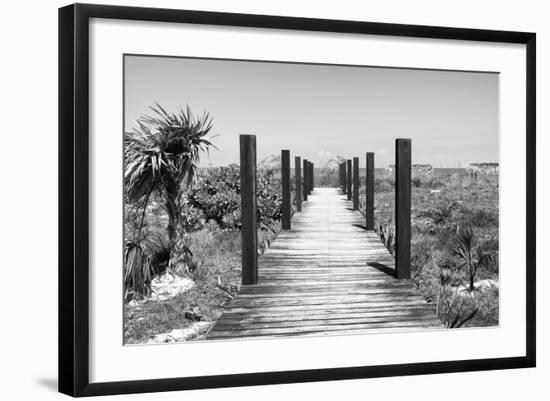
(384, 183)
(440, 214)
(216, 194)
(269, 199)
(138, 272)
(159, 251)
(433, 182)
(480, 218)
(386, 230)
(192, 218)
(473, 256)
(416, 181)
(426, 181)
(421, 254)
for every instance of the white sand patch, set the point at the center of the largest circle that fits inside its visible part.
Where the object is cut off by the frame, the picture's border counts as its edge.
(178, 335)
(165, 287)
(169, 285)
(479, 286)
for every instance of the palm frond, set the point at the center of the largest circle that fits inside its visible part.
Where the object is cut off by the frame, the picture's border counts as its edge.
(164, 146)
(138, 272)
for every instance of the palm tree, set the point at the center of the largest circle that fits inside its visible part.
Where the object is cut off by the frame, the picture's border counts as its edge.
(473, 256)
(162, 155)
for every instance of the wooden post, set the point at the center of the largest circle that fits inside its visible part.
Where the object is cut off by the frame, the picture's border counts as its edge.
(249, 229)
(355, 183)
(308, 178)
(340, 180)
(343, 185)
(344, 176)
(369, 212)
(348, 179)
(285, 178)
(403, 208)
(312, 177)
(298, 183)
(305, 179)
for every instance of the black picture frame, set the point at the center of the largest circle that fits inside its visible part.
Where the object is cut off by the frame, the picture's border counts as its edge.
(74, 198)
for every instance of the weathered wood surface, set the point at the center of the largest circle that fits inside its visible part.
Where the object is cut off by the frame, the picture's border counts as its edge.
(305, 178)
(403, 156)
(348, 179)
(285, 184)
(369, 187)
(355, 183)
(298, 182)
(249, 209)
(327, 275)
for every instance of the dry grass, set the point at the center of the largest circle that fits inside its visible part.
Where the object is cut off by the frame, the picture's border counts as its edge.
(217, 279)
(441, 206)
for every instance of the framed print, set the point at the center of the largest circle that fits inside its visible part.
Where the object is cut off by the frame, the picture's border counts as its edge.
(312, 199)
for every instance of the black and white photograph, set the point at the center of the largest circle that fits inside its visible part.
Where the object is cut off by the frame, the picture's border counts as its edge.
(279, 200)
(271, 199)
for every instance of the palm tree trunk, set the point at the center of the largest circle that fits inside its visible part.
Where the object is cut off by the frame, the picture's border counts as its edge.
(145, 203)
(173, 219)
(179, 254)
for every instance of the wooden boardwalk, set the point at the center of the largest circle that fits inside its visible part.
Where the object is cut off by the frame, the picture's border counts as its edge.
(326, 276)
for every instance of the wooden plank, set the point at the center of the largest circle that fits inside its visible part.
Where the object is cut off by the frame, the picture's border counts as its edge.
(328, 311)
(346, 332)
(375, 294)
(319, 328)
(323, 300)
(285, 186)
(245, 322)
(403, 208)
(358, 306)
(362, 286)
(350, 306)
(319, 292)
(249, 230)
(310, 316)
(236, 324)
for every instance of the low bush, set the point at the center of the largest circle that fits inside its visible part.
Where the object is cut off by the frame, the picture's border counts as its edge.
(439, 218)
(216, 194)
(138, 272)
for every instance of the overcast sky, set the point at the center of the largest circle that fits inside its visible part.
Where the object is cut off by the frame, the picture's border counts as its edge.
(320, 111)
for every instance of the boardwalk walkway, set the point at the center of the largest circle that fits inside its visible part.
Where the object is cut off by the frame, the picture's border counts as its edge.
(327, 275)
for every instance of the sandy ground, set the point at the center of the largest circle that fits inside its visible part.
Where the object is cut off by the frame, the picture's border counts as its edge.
(165, 287)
